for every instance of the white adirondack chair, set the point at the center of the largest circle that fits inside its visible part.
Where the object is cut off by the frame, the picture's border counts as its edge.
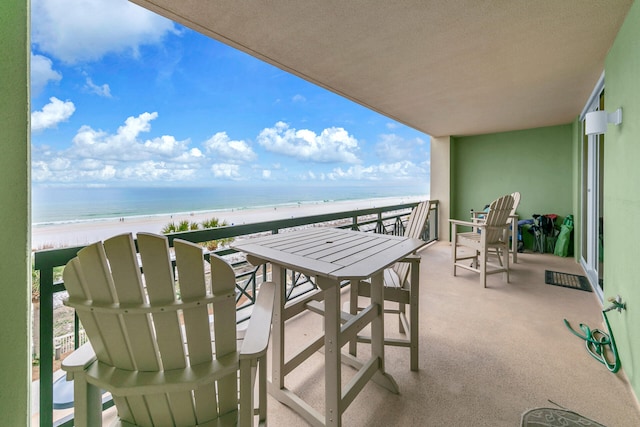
(478, 216)
(152, 345)
(490, 234)
(398, 288)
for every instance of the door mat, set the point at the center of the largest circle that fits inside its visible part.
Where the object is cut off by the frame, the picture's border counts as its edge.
(567, 280)
(552, 417)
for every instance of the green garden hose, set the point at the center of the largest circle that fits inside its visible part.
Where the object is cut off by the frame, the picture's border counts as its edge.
(599, 343)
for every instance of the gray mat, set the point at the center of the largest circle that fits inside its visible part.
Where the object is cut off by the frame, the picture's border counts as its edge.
(554, 417)
(567, 280)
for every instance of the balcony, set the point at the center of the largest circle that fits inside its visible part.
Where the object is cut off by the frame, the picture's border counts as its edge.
(486, 355)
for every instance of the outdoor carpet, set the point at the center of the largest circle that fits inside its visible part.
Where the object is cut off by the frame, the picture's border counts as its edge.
(553, 417)
(567, 280)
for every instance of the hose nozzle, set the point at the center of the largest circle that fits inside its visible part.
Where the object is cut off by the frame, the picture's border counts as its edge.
(616, 304)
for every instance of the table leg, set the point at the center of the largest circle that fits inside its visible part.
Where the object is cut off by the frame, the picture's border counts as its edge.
(332, 352)
(279, 277)
(353, 309)
(377, 333)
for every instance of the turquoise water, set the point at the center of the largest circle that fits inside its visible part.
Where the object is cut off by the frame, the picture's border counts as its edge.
(64, 204)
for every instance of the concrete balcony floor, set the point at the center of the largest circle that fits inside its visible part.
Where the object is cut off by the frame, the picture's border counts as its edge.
(486, 355)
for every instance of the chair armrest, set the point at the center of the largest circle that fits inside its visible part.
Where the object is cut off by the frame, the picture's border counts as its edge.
(467, 223)
(477, 225)
(255, 261)
(256, 338)
(78, 361)
(413, 258)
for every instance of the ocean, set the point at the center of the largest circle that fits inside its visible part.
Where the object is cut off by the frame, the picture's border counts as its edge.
(68, 204)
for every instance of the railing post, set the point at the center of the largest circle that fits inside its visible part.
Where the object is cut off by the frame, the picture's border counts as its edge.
(436, 222)
(379, 225)
(76, 331)
(46, 347)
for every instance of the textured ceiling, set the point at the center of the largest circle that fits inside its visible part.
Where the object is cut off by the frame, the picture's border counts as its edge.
(444, 67)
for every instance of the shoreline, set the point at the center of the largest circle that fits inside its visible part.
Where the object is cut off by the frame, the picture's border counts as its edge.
(54, 235)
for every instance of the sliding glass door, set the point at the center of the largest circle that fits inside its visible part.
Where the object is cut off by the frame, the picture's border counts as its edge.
(592, 258)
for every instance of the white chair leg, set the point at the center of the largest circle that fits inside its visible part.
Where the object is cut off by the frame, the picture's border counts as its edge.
(353, 309)
(483, 269)
(413, 315)
(454, 247)
(87, 403)
(262, 391)
(506, 263)
(245, 411)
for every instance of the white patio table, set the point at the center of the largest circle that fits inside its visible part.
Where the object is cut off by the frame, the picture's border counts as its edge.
(331, 256)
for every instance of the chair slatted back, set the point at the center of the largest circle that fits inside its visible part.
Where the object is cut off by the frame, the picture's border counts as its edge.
(143, 331)
(415, 226)
(516, 202)
(497, 218)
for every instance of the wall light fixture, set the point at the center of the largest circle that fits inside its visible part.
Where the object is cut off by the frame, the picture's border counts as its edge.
(596, 121)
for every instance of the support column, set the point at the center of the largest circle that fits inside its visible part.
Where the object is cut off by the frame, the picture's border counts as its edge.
(15, 217)
(441, 185)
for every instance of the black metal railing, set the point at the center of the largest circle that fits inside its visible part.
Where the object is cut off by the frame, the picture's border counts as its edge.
(386, 219)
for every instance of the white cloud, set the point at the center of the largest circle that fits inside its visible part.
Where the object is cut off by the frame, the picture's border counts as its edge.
(90, 164)
(100, 156)
(398, 170)
(125, 144)
(105, 173)
(225, 170)
(165, 146)
(266, 174)
(191, 156)
(51, 114)
(403, 170)
(356, 172)
(312, 176)
(100, 90)
(42, 73)
(75, 31)
(332, 145)
(150, 171)
(298, 98)
(221, 145)
(41, 171)
(392, 147)
(59, 163)
(63, 170)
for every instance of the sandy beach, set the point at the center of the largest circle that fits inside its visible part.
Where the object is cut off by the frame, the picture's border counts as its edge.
(81, 233)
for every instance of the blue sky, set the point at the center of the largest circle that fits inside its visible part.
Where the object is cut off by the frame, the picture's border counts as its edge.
(124, 97)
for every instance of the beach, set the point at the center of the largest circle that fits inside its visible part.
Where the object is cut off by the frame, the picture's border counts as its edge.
(63, 234)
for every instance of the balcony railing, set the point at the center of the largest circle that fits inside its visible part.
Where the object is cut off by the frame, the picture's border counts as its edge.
(386, 219)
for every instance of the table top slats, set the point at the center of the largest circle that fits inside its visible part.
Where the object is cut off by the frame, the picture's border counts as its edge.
(291, 261)
(334, 253)
(331, 248)
(361, 252)
(382, 259)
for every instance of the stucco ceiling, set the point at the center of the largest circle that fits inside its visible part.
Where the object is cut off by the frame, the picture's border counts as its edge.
(444, 67)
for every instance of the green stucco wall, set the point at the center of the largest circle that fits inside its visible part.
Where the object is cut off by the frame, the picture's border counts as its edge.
(15, 363)
(536, 162)
(621, 195)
